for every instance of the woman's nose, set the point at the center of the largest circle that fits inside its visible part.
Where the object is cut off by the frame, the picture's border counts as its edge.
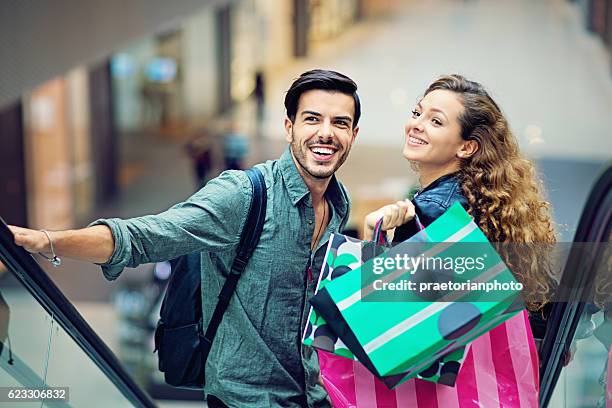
(414, 123)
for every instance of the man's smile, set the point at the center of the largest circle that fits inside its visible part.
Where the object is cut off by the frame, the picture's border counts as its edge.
(323, 153)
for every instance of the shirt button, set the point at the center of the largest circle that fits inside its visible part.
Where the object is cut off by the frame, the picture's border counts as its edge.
(310, 222)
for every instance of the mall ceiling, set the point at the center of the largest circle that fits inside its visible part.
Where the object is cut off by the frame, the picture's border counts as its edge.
(40, 39)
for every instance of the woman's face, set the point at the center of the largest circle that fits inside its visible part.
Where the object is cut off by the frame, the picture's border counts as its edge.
(433, 132)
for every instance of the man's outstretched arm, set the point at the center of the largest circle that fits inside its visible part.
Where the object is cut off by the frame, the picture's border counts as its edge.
(93, 244)
(210, 220)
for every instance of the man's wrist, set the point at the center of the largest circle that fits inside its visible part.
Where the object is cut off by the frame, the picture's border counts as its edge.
(52, 257)
(43, 243)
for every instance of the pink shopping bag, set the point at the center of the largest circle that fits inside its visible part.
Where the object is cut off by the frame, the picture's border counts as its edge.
(500, 370)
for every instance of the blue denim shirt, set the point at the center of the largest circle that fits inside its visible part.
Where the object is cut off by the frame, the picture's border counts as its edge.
(257, 358)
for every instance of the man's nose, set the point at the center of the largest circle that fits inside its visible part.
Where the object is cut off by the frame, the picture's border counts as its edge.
(326, 129)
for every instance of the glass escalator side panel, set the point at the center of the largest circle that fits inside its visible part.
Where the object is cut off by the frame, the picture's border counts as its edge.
(24, 333)
(70, 367)
(586, 379)
(46, 343)
(584, 382)
(38, 353)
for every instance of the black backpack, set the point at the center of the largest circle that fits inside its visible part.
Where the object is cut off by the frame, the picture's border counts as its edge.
(179, 340)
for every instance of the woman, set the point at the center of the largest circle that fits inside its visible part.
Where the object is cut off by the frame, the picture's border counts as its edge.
(460, 143)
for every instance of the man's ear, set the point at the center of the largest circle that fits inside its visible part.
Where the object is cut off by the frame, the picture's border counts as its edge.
(288, 130)
(467, 149)
(355, 131)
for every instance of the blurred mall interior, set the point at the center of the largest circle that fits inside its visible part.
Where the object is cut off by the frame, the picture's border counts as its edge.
(123, 108)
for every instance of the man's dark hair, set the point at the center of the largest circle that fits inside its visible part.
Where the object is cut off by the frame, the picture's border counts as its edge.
(324, 80)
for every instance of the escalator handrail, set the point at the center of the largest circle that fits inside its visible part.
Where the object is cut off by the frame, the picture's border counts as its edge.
(42, 288)
(564, 316)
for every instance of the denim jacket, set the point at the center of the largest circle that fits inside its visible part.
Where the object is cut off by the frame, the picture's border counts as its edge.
(432, 202)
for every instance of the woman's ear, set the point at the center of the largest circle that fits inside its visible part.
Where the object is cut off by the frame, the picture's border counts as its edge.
(467, 149)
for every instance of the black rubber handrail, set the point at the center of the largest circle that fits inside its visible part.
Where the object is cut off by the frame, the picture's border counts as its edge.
(594, 226)
(48, 295)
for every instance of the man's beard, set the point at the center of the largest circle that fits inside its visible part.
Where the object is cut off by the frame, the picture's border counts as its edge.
(300, 153)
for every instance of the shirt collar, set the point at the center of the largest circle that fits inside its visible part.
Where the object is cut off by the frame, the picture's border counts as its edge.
(297, 189)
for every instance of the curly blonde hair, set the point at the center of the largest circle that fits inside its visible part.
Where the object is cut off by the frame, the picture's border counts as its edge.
(504, 195)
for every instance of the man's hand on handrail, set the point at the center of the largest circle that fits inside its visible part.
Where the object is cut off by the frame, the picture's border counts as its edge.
(93, 244)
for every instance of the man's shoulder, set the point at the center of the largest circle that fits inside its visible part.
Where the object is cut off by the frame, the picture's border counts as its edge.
(237, 181)
(268, 169)
(233, 180)
(231, 186)
(272, 171)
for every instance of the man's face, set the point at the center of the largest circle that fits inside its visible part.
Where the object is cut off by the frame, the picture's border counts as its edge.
(323, 133)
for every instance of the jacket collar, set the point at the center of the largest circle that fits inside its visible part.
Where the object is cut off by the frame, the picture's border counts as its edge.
(297, 189)
(452, 177)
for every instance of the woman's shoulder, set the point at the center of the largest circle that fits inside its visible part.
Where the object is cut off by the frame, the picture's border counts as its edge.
(433, 202)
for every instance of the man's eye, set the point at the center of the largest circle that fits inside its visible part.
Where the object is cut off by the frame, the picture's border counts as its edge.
(310, 118)
(416, 113)
(342, 123)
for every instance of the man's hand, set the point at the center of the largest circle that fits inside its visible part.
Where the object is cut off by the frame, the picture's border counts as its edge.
(32, 240)
(393, 216)
(92, 244)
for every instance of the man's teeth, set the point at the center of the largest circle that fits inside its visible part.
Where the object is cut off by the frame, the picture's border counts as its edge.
(323, 151)
(417, 141)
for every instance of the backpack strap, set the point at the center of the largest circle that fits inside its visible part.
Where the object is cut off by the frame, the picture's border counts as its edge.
(248, 241)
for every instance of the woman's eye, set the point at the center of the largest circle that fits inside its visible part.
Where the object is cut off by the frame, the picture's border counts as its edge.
(436, 122)
(416, 114)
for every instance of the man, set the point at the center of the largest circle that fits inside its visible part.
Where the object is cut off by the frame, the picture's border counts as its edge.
(257, 358)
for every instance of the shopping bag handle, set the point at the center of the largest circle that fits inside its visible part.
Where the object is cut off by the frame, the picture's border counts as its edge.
(380, 237)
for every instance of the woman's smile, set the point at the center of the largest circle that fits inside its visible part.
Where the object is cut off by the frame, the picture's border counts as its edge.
(416, 141)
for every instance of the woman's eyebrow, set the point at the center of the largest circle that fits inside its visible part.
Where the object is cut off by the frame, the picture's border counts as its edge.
(441, 112)
(433, 109)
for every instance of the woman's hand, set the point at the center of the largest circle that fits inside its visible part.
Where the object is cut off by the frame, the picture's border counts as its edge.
(393, 216)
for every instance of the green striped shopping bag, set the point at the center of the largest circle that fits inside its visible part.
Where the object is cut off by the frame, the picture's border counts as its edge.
(403, 310)
(344, 254)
